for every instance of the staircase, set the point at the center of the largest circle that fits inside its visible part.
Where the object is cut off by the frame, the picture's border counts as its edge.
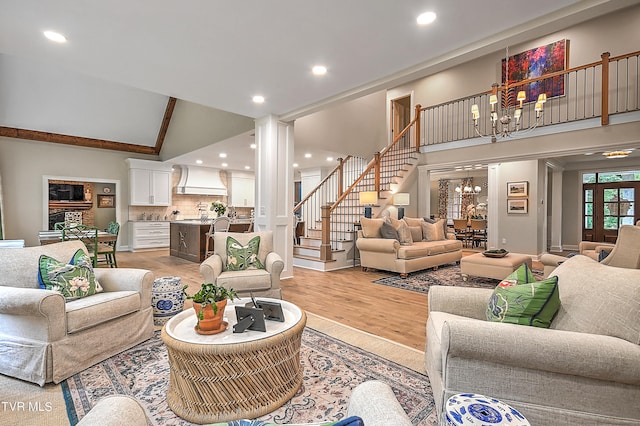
(330, 213)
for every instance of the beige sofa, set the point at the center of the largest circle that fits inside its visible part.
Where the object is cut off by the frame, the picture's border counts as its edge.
(43, 339)
(389, 255)
(583, 370)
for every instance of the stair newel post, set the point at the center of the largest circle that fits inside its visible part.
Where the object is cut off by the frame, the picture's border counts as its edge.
(604, 119)
(340, 177)
(325, 247)
(417, 118)
(376, 181)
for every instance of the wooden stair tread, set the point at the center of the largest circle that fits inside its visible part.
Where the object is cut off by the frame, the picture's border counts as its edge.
(305, 246)
(315, 259)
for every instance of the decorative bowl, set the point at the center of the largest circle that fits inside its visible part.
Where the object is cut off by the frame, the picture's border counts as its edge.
(495, 253)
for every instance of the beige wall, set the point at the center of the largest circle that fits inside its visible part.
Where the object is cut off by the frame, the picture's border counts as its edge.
(357, 127)
(24, 163)
(616, 33)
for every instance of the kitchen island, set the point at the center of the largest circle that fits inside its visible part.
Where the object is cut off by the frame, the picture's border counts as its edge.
(188, 238)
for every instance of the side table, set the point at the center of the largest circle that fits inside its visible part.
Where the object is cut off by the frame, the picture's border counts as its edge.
(468, 409)
(167, 299)
(229, 376)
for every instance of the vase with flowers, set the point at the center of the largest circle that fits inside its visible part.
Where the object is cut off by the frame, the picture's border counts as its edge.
(219, 207)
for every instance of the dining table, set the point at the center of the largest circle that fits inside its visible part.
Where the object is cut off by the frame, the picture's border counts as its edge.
(50, 237)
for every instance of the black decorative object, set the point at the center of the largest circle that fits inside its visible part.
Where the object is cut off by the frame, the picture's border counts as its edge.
(249, 318)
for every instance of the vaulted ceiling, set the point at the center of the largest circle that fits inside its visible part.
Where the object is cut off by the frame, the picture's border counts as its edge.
(220, 54)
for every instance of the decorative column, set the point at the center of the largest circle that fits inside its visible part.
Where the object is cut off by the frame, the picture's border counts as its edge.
(555, 215)
(424, 191)
(494, 202)
(274, 186)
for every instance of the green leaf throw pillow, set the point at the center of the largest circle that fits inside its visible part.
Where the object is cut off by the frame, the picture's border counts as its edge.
(522, 275)
(519, 299)
(240, 258)
(73, 280)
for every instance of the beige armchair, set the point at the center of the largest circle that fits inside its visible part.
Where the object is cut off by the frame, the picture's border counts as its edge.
(44, 338)
(261, 282)
(625, 253)
(594, 249)
(583, 370)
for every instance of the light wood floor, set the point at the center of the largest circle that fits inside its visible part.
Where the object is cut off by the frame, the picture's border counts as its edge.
(347, 296)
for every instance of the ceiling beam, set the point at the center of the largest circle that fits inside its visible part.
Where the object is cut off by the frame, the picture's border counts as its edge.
(35, 135)
(171, 104)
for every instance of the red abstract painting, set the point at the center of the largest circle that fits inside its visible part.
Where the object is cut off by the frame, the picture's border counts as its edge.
(537, 63)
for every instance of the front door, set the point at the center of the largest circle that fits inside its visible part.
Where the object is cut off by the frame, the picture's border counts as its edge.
(607, 206)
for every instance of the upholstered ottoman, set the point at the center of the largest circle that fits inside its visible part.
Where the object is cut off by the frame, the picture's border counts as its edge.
(489, 267)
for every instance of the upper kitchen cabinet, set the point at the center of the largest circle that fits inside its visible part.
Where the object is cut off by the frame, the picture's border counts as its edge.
(243, 189)
(149, 183)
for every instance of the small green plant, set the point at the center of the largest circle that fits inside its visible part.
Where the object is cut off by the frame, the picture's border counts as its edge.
(210, 293)
(219, 207)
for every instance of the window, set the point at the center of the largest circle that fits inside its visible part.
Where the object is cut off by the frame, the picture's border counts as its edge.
(454, 200)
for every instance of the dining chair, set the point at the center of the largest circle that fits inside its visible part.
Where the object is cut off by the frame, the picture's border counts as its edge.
(219, 224)
(479, 232)
(108, 249)
(87, 234)
(462, 231)
(72, 218)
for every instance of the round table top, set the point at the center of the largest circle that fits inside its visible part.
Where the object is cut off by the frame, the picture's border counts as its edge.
(181, 326)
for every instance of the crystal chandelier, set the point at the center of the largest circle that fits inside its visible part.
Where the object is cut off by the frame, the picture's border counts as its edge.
(505, 114)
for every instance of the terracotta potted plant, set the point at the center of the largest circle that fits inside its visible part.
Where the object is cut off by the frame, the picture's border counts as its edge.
(209, 303)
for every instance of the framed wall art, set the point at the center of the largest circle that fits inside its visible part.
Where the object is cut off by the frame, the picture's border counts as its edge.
(538, 62)
(517, 189)
(106, 201)
(517, 206)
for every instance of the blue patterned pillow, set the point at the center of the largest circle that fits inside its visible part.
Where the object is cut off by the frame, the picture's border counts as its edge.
(241, 257)
(73, 280)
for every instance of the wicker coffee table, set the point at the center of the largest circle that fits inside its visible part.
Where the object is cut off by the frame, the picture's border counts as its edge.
(231, 376)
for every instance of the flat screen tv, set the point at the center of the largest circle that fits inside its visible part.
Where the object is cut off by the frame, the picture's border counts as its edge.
(66, 192)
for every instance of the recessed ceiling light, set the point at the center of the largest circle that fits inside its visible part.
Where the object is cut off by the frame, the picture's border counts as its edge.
(252, 146)
(426, 18)
(54, 36)
(258, 99)
(295, 165)
(307, 155)
(222, 155)
(329, 158)
(247, 167)
(198, 161)
(319, 70)
(224, 164)
(588, 153)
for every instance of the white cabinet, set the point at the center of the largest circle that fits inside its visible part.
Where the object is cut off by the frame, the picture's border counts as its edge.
(243, 190)
(150, 234)
(149, 183)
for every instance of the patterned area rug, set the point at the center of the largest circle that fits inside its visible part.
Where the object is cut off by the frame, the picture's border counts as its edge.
(445, 275)
(332, 369)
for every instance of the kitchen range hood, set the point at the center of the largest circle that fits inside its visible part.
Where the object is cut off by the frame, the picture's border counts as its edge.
(200, 181)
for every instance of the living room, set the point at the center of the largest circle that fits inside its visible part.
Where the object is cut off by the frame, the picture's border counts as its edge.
(553, 222)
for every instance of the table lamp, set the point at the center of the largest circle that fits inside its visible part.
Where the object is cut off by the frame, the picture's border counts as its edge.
(401, 199)
(368, 198)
